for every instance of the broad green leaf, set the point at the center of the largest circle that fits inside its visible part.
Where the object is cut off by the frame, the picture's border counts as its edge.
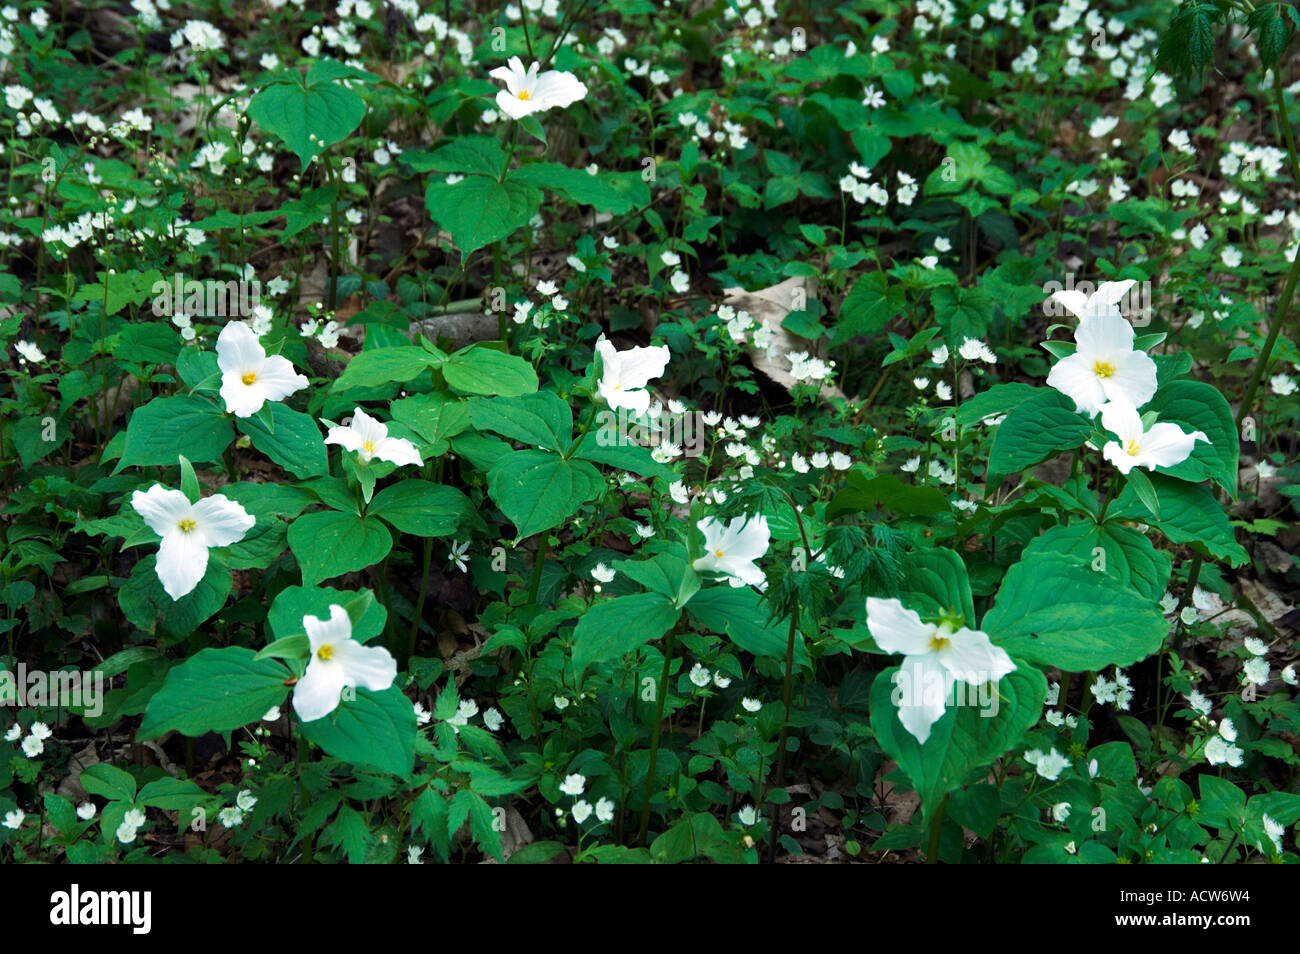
(967, 737)
(576, 184)
(422, 508)
(216, 690)
(108, 781)
(1196, 406)
(1054, 612)
(146, 605)
(1190, 513)
(936, 581)
(386, 366)
(1125, 554)
(617, 627)
(738, 612)
(294, 602)
(167, 427)
(1043, 425)
(862, 494)
(295, 443)
(329, 543)
(308, 113)
(540, 419)
(479, 210)
(478, 370)
(539, 491)
(374, 728)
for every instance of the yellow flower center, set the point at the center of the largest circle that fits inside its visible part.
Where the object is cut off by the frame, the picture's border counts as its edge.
(1103, 369)
(368, 447)
(186, 525)
(524, 94)
(939, 642)
(250, 377)
(1132, 448)
(325, 653)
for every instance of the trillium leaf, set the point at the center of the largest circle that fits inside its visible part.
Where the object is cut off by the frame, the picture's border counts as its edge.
(145, 603)
(617, 627)
(294, 602)
(738, 612)
(1196, 406)
(216, 690)
(1190, 513)
(422, 508)
(329, 544)
(577, 185)
(1043, 425)
(863, 494)
(479, 210)
(936, 582)
(1052, 611)
(539, 491)
(967, 737)
(167, 427)
(481, 370)
(540, 419)
(385, 366)
(372, 728)
(293, 441)
(297, 108)
(1128, 555)
(109, 782)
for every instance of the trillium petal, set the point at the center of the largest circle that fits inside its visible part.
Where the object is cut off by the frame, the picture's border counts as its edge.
(897, 629)
(1117, 455)
(1074, 377)
(321, 632)
(637, 400)
(513, 106)
(1168, 444)
(921, 688)
(241, 400)
(370, 667)
(182, 561)
(367, 427)
(1134, 378)
(1103, 330)
(1112, 293)
(346, 437)
(398, 450)
(222, 521)
(642, 364)
(318, 692)
(1122, 419)
(238, 349)
(161, 508)
(279, 379)
(972, 658)
(1076, 302)
(557, 89)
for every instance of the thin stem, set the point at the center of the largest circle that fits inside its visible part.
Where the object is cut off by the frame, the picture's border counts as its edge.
(654, 736)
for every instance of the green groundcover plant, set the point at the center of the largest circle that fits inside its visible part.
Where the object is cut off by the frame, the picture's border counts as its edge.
(647, 432)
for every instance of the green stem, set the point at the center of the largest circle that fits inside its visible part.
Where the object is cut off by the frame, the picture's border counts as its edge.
(654, 737)
(936, 828)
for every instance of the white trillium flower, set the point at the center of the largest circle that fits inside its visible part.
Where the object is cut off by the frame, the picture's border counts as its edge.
(1164, 445)
(249, 378)
(337, 660)
(529, 91)
(1105, 367)
(369, 438)
(936, 657)
(187, 531)
(733, 548)
(625, 374)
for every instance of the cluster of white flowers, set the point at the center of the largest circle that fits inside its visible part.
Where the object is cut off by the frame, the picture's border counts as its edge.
(132, 822)
(858, 185)
(1118, 691)
(34, 743)
(700, 678)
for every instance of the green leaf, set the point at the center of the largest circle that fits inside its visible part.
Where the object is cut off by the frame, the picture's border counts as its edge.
(937, 582)
(172, 795)
(422, 508)
(329, 543)
(868, 308)
(294, 443)
(479, 210)
(294, 602)
(536, 419)
(617, 627)
(862, 494)
(165, 428)
(117, 290)
(1196, 406)
(1187, 47)
(146, 605)
(1043, 425)
(381, 366)
(309, 113)
(962, 312)
(539, 491)
(1189, 513)
(1126, 555)
(1272, 31)
(375, 728)
(109, 782)
(216, 690)
(479, 370)
(737, 612)
(435, 417)
(467, 155)
(1081, 622)
(967, 737)
(578, 185)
